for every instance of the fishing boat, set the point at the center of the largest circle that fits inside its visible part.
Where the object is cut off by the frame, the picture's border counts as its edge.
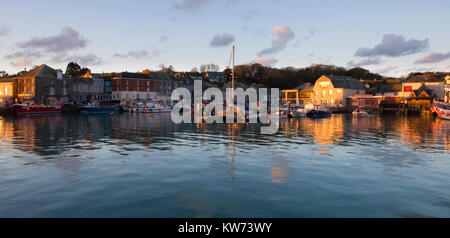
(318, 112)
(22, 109)
(359, 112)
(95, 108)
(441, 109)
(302, 110)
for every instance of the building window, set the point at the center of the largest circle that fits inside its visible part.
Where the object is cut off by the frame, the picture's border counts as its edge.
(339, 91)
(324, 93)
(317, 92)
(331, 91)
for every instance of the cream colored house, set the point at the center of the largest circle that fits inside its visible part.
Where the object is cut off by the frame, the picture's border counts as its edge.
(6, 91)
(410, 86)
(336, 91)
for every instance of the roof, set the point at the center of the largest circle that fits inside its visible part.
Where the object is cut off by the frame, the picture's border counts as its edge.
(216, 75)
(422, 88)
(6, 80)
(305, 87)
(150, 75)
(345, 82)
(41, 71)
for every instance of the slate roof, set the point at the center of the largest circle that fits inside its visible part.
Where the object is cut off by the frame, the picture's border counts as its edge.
(305, 87)
(38, 71)
(345, 82)
(216, 75)
(422, 88)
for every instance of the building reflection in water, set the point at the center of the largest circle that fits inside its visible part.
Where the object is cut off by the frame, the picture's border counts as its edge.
(61, 139)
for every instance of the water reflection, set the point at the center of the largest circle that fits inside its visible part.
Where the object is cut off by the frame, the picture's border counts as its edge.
(194, 163)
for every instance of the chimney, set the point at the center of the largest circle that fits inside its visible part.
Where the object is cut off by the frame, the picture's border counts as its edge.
(59, 74)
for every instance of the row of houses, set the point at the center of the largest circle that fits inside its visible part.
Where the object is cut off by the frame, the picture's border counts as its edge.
(342, 93)
(213, 77)
(45, 85)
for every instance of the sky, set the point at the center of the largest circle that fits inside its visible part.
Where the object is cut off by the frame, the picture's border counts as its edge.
(392, 38)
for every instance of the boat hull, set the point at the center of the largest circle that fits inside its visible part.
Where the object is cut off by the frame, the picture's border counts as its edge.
(442, 110)
(35, 110)
(318, 114)
(98, 110)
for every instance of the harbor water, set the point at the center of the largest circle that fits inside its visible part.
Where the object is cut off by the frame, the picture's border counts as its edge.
(134, 165)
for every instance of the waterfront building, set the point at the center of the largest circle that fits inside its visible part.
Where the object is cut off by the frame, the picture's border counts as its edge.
(367, 101)
(147, 86)
(432, 84)
(300, 95)
(420, 99)
(6, 92)
(335, 92)
(86, 88)
(215, 77)
(42, 85)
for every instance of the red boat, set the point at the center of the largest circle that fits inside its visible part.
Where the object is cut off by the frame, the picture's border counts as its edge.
(35, 109)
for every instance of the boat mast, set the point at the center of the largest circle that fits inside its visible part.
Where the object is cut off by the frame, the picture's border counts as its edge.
(232, 71)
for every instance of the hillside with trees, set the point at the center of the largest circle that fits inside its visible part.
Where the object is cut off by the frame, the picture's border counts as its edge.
(291, 77)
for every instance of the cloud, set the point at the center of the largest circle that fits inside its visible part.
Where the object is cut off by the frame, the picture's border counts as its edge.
(305, 37)
(433, 58)
(284, 34)
(221, 40)
(249, 14)
(265, 61)
(385, 69)
(88, 60)
(258, 32)
(22, 62)
(191, 4)
(393, 46)
(24, 54)
(133, 54)
(5, 31)
(369, 61)
(163, 38)
(139, 54)
(68, 39)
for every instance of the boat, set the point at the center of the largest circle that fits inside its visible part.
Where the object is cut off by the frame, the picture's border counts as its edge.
(441, 109)
(35, 109)
(95, 108)
(316, 113)
(302, 110)
(359, 112)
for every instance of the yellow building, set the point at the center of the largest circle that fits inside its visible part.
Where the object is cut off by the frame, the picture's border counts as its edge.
(336, 91)
(300, 95)
(6, 91)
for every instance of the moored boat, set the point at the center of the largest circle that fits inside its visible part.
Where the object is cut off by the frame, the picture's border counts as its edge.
(360, 112)
(316, 113)
(35, 109)
(441, 109)
(97, 109)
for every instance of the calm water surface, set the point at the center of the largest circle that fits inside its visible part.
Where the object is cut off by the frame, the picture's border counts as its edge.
(137, 166)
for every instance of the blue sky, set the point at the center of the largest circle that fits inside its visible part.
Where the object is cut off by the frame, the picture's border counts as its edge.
(389, 37)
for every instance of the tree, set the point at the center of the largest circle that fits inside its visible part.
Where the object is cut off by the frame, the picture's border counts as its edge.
(3, 74)
(167, 69)
(194, 70)
(74, 70)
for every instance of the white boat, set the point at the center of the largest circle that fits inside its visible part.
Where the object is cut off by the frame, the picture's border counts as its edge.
(303, 110)
(360, 112)
(441, 109)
